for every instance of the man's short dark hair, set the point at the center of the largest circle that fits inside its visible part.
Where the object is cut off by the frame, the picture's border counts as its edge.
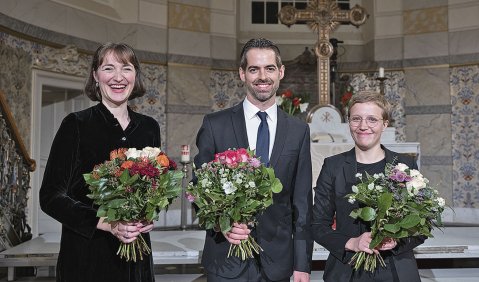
(260, 43)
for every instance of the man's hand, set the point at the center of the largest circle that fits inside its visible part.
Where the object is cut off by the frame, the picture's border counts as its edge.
(237, 233)
(299, 276)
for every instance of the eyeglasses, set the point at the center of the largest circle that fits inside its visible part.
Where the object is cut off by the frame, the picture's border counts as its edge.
(371, 121)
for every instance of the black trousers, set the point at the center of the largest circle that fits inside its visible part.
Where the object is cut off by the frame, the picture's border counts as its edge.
(251, 273)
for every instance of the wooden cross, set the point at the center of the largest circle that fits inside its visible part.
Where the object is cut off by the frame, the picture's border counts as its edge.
(323, 16)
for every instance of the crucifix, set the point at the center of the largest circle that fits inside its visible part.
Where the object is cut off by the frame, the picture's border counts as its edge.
(323, 16)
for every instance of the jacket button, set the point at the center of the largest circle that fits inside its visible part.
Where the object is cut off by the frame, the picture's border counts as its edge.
(123, 139)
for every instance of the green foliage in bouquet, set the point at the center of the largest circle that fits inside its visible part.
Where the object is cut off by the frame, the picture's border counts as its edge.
(398, 204)
(134, 185)
(234, 187)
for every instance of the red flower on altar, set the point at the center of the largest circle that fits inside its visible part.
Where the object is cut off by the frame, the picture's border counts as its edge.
(290, 103)
(346, 97)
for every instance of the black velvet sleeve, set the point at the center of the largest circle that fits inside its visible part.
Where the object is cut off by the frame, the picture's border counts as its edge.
(63, 180)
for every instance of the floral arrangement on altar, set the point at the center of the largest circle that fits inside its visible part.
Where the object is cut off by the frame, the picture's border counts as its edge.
(398, 204)
(134, 185)
(345, 97)
(234, 187)
(291, 103)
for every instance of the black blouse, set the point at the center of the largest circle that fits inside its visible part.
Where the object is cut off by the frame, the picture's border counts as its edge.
(85, 139)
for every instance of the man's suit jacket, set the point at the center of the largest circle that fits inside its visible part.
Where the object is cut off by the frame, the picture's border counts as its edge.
(336, 178)
(284, 228)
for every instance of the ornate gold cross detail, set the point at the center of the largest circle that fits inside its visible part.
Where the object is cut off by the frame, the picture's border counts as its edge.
(323, 16)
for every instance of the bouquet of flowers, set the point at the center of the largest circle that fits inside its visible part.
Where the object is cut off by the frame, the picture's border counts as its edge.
(134, 185)
(290, 103)
(234, 187)
(398, 204)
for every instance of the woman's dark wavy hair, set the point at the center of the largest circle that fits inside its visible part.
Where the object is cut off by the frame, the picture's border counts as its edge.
(124, 54)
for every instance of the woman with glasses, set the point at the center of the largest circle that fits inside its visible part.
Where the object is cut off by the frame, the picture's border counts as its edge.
(368, 118)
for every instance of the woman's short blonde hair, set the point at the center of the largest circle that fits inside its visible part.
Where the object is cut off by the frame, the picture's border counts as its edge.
(374, 97)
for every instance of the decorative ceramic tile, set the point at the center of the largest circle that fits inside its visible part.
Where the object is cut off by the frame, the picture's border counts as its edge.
(153, 103)
(226, 89)
(464, 83)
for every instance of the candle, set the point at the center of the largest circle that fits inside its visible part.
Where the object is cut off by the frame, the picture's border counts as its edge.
(381, 72)
(185, 153)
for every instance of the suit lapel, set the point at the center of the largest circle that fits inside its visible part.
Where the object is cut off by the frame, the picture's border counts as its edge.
(350, 167)
(280, 138)
(239, 126)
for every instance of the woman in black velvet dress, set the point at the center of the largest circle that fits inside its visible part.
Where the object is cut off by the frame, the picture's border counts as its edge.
(88, 245)
(368, 118)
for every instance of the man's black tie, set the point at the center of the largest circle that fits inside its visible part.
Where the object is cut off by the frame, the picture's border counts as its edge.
(262, 141)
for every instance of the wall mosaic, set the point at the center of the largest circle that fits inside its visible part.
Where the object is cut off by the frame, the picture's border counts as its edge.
(394, 88)
(153, 103)
(464, 83)
(226, 89)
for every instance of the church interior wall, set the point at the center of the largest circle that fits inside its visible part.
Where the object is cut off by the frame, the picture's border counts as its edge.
(195, 62)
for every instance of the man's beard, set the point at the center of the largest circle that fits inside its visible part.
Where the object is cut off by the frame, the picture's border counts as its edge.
(262, 96)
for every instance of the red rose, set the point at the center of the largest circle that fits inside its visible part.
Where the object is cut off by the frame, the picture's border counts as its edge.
(287, 94)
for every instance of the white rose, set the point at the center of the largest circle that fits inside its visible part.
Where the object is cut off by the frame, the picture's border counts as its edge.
(252, 184)
(371, 186)
(351, 200)
(379, 188)
(132, 153)
(402, 167)
(358, 175)
(229, 188)
(150, 152)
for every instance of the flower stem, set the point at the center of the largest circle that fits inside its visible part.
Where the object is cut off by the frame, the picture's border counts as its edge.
(133, 250)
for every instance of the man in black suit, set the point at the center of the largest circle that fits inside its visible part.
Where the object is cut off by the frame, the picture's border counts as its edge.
(284, 229)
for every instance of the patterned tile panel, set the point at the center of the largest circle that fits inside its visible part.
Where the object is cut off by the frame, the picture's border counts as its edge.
(226, 89)
(464, 83)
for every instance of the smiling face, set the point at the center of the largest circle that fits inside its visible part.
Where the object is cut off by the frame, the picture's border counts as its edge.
(261, 77)
(116, 80)
(367, 132)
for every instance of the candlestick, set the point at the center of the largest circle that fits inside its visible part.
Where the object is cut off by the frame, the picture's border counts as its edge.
(185, 160)
(185, 153)
(381, 72)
